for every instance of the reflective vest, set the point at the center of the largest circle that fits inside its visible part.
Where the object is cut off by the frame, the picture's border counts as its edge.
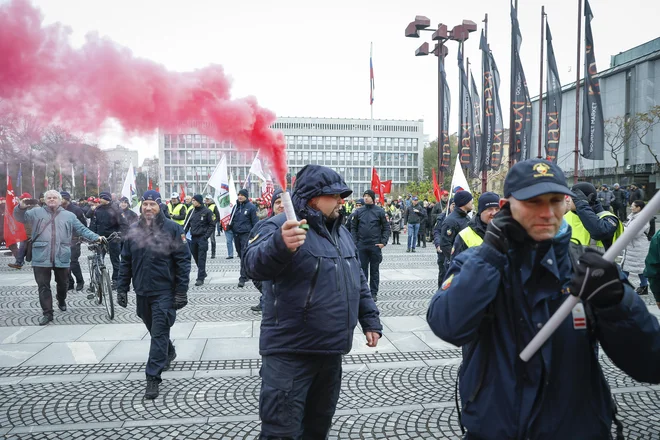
(189, 208)
(212, 209)
(470, 238)
(178, 209)
(581, 235)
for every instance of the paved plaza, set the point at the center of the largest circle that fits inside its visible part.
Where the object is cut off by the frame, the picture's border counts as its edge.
(82, 377)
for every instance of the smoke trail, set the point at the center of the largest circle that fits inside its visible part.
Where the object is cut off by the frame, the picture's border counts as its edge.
(41, 73)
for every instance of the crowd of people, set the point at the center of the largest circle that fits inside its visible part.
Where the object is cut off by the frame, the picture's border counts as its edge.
(504, 264)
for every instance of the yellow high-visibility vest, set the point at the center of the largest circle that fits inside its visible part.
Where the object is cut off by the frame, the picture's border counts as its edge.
(580, 234)
(178, 209)
(470, 237)
(212, 208)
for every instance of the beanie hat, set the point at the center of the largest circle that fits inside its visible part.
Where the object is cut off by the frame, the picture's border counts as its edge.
(65, 195)
(462, 198)
(106, 196)
(199, 198)
(370, 193)
(124, 199)
(360, 201)
(243, 192)
(151, 195)
(488, 200)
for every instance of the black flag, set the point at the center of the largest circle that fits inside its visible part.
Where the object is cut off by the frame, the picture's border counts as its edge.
(521, 106)
(465, 115)
(488, 106)
(498, 132)
(552, 103)
(593, 127)
(478, 156)
(443, 143)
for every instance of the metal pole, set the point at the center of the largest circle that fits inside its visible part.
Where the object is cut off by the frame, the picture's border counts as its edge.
(540, 101)
(371, 128)
(577, 96)
(512, 116)
(441, 112)
(484, 172)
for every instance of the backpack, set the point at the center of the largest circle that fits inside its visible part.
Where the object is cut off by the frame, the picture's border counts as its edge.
(575, 252)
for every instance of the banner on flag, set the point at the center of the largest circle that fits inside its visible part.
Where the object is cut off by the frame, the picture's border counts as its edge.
(443, 143)
(520, 100)
(465, 114)
(498, 133)
(552, 103)
(488, 105)
(477, 155)
(593, 125)
(14, 231)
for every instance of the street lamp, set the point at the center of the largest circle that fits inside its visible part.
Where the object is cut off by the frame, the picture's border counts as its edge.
(441, 34)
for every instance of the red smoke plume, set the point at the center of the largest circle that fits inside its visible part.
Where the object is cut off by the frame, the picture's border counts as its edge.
(41, 73)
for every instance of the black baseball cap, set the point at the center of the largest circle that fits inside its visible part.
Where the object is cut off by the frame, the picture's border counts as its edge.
(534, 177)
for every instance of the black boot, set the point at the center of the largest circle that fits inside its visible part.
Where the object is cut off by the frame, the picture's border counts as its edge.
(642, 290)
(151, 391)
(171, 355)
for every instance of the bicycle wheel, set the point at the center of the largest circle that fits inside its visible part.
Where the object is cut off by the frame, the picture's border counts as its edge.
(106, 289)
(98, 286)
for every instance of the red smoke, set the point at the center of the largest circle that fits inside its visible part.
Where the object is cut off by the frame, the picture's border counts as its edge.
(41, 73)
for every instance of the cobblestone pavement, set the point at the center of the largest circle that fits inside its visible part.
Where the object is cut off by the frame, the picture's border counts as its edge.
(82, 377)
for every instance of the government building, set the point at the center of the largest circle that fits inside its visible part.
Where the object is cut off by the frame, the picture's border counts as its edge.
(188, 158)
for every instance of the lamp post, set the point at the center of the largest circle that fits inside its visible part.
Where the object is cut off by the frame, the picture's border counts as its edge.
(440, 34)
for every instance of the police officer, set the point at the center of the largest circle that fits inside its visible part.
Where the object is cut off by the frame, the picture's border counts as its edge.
(455, 222)
(75, 269)
(200, 225)
(177, 210)
(156, 259)
(105, 221)
(208, 201)
(473, 234)
(591, 225)
(497, 296)
(349, 223)
(243, 219)
(311, 307)
(371, 231)
(437, 239)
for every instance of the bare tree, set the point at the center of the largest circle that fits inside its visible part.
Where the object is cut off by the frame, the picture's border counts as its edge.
(618, 132)
(644, 123)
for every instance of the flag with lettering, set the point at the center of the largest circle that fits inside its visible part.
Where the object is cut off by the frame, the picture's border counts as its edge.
(498, 132)
(478, 156)
(593, 125)
(552, 103)
(444, 146)
(520, 100)
(465, 116)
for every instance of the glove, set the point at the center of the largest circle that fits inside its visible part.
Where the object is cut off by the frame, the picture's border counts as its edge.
(597, 280)
(122, 299)
(591, 199)
(503, 229)
(180, 300)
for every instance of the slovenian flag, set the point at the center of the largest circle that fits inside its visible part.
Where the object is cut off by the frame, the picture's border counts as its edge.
(371, 74)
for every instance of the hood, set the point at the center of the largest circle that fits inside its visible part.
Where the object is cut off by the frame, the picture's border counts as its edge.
(315, 180)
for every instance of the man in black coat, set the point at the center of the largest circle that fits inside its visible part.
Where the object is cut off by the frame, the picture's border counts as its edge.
(455, 222)
(371, 231)
(105, 221)
(74, 268)
(243, 219)
(156, 259)
(619, 202)
(201, 226)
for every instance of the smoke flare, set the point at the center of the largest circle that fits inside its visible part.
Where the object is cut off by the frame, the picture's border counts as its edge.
(42, 74)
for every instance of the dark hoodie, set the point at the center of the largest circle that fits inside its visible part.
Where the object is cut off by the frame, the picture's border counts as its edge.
(313, 297)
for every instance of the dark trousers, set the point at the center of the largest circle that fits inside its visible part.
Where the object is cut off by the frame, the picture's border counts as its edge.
(370, 259)
(396, 237)
(619, 210)
(75, 266)
(114, 249)
(199, 248)
(213, 245)
(442, 270)
(21, 252)
(158, 316)
(298, 396)
(241, 242)
(42, 277)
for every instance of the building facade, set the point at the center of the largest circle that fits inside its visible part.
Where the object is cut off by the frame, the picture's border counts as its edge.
(119, 159)
(630, 86)
(345, 145)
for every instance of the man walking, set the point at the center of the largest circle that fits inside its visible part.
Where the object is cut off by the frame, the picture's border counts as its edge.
(455, 222)
(243, 219)
(156, 259)
(413, 217)
(371, 231)
(619, 202)
(105, 221)
(75, 244)
(208, 202)
(314, 295)
(200, 225)
(52, 229)
(176, 209)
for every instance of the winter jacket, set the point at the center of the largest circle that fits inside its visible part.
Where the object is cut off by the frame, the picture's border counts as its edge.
(154, 258)
(313, 297)
(451, 226)
(606, 198)
(619, 196)
(635, 252)
(370, 226)
(600, 229)
(244, 217)
(637, 194)
(52, 247)
(105, 220)
(492, 305)
(477, 226)
(652, 270)
(437, 210)
(396, 220)
(414, 214)
(200, 223)
(126, 219)
(437, 229)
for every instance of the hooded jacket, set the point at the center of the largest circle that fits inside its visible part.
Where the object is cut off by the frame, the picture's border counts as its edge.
(492, 305)
(313, 297)
(244, 217)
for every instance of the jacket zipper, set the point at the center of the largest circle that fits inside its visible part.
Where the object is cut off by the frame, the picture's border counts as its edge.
(52, 242)
(310, 294)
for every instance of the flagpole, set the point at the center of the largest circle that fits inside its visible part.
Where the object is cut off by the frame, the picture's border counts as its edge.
(34, 189)
(577, 95)
(371, 106)
(540, 101)
(484, 172)
(467, 79)
(512, 116)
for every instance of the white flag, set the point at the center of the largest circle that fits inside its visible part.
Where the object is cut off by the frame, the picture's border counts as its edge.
(458, 180)
(219, 180)
(257, 169)
(129, 189)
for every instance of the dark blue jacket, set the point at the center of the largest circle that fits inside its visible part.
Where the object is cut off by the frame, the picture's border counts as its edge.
(369, 226)
(80, 215)
(244, 217)
(314, 297)
(451, 226)
(492, 305)
(437, 229)
(602, 229)
(105, 220)
(126, 219)
(156, 259)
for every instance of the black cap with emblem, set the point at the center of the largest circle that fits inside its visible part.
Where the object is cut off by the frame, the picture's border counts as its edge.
(534, 177)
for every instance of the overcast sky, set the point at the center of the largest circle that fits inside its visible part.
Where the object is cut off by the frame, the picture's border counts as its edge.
(311, 58)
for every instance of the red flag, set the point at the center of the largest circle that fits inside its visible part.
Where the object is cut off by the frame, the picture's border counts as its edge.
(386, 186)
(150, 185)
(375, 184)
(14, 231)
(436, 188)
(182, 196)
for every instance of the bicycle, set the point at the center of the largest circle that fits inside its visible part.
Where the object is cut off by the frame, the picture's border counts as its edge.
(100, 285)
